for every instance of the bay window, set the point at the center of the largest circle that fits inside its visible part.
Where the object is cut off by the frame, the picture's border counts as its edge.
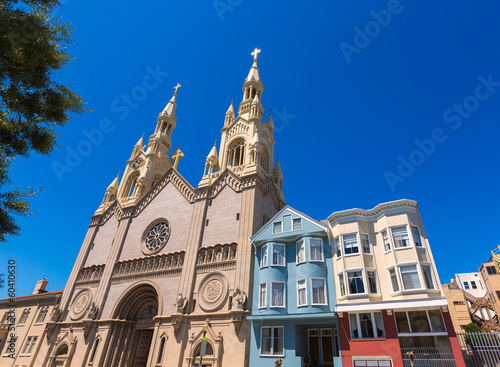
(301, 292)
(427, 274)
(301, 253)
(365, 242)
(263, 256)
(342, 285)
(385, 241)
(318, 291)
(278, 255)
(409, 277)
(355, 282)
(372, 281)
(416, 237)
(400, 237)
(315, 250)
(394, 280)
(262, 295)
(338, 250)
(350, 244)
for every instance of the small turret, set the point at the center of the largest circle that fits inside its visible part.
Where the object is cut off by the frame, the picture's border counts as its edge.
(229, 115)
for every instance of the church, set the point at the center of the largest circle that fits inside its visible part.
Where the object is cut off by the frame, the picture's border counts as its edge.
(163, 263)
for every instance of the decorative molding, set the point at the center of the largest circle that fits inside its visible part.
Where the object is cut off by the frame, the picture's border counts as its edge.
(90, 274)
(222, 266)
(398, 204)
(238, 128)
(216, 254)
(213, 292)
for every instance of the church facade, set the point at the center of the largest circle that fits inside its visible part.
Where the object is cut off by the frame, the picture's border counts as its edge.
(163, 263)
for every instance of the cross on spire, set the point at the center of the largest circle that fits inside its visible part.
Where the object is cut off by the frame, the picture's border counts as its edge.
(176, 156)
(177, 87)
(255, 53)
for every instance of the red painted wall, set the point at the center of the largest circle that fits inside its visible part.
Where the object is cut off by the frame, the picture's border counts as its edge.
(457, 353)
(388, 346)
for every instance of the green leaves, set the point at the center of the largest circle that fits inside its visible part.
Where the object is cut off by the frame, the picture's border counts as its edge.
(31, 102)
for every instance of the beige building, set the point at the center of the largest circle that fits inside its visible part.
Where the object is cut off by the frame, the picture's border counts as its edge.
(457, 305)
(25, 317)
(491, 278)
(163, 262)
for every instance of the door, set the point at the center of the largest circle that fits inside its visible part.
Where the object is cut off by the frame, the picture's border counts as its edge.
(320, 344)
(141, 356)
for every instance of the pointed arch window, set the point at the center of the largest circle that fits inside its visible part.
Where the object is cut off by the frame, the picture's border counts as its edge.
(264, 158)
(236, 153)
(94, 350)
(160, 351)
(131, 183)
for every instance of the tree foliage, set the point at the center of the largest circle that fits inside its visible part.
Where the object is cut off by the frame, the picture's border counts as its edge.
(32, 103)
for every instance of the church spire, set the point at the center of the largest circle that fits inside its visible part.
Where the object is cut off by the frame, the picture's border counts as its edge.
(252, 87)
(229, 115)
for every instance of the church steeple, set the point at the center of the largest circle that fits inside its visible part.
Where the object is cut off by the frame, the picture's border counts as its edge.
(252, 88)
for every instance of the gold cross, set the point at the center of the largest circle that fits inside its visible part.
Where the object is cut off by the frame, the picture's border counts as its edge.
(255, 53)
(177, 87)
(176, 156)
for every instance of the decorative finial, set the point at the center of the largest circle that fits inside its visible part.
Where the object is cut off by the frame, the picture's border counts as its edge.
(232, 101)
(277, 157)
(215, 142)
(177, 87)
(143, 134)
(255, 53)
(118, 175)
(269, 111)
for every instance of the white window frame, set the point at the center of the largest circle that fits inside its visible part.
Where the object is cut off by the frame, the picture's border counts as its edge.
(284, 254)
(342, 290)
(265, 295)
(418, 273)
(410, 245)
(431, 274)
(386, 231)
(419, 237)
(281, 227)
(357, 243)
(368, 281)
(272, 354)
(337, 245)
(264, 250)
(324, 292)
(432, 332)
(303, 242)
(369, 244)
(466, 285)
(305, 292)
(398, 283)
(284, 295)
(300, 222)
(320, 250)
(362, 277)
(374, 325)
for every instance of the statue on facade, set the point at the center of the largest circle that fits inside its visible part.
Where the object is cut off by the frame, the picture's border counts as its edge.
(93, 311)
(181, 303)
(239, 299)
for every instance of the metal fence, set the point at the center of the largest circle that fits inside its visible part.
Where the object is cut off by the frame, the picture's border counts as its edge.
(480, 349)
(429, 357)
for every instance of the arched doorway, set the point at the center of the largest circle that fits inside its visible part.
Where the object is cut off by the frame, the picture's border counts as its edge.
(133, 339)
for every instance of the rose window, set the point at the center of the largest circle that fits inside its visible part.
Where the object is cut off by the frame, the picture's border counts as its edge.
(157, 237)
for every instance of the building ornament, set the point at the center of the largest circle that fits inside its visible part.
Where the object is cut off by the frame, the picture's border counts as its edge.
(181, 303)
(213, 291)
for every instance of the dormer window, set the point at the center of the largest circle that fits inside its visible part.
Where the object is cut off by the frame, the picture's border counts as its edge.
(277, 227)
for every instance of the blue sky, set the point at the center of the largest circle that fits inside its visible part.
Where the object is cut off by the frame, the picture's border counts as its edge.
(351, 86)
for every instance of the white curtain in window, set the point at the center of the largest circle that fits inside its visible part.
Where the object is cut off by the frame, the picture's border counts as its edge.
(354, 325)
(264, 256)
(410, 277)
(379, 324)
(400, 236)
(315, 250)
(300, 252)
(278, 293)
(318, 288)
(301, 284)
(265, 344)
(278, 255)
(278, 341)
(262, 299)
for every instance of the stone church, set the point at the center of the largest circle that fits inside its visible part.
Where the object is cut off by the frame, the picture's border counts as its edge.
(164, 263)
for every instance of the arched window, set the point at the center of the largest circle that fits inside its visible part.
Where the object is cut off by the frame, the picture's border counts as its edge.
(160, 352)
(264, 158)
(94, 350)
(131, 182)
(236, 153)
(62, 351)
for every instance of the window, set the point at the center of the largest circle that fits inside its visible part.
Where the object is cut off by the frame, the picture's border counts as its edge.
(271, 341)
(491, 270)
(315, 250)
(263, 295)
(416, 237)
(301, 293)
(297, 224)
(279, 255)
(394, 280)
(366, 325)
(385, 241)
(498, 294)
(263, 254)
(30, 344)
(277, 227)
(410, 278)
(318, 292)
(94, 351)
(24, 316)
(459, 302)
(41, 316)
(277, 294)
(301, 253)
(426, 272)
(420, 322)
(372, 281)
(341, 285)
(337, 247)
(365, 242)
(160, 352)
(473, 284)
(350, 244)
(355, 282)
(400, 237)
(466, 285)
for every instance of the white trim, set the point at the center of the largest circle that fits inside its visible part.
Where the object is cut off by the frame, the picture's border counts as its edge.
(357, 243)
(320, 248)
(432, 276)
(281, 226)
(362, 277)
(407, 234)
(271, 354)
(324, 289)
(305, 287)
(262, 265)
(393, 267)
(301, 227)
(419, 237)
(284, 295)
(384, 305)
(418, 273)
(370, 252)
(272, 254)
(297, 251)
(265, 298)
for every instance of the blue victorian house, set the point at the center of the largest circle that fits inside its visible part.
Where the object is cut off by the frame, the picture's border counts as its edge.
(293, 316)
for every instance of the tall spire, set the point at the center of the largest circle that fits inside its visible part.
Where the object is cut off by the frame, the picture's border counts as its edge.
(252, 87)
(171, 105)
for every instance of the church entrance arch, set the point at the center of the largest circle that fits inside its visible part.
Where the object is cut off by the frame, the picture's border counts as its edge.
(134, 327)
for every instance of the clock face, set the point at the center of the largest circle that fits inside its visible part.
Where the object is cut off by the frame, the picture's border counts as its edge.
(157, 237)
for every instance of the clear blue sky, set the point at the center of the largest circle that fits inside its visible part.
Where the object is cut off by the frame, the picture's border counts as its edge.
(356, 112)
